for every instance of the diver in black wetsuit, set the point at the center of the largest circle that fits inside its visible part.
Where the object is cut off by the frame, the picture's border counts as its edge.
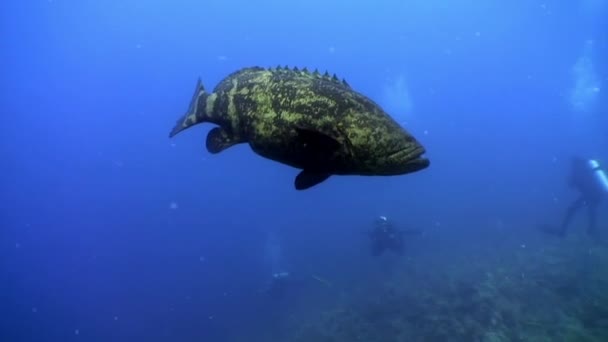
(584, 178)
(384, 236)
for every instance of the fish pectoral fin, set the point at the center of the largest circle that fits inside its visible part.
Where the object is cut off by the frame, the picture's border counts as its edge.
(316, 151)
(307, 179)
(314, 148)
(316, 140)
(218, 140)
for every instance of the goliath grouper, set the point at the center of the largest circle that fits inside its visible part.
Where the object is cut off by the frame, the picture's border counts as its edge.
(306, 120)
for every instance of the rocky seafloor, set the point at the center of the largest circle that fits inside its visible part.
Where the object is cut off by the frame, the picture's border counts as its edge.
(553, 290)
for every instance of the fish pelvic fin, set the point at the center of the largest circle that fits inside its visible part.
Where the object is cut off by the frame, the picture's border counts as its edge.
(196, 113)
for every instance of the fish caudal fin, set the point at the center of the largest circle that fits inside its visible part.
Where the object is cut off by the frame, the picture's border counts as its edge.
(196, 110)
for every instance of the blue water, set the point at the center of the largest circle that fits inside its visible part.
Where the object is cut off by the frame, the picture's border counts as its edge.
(111, 231)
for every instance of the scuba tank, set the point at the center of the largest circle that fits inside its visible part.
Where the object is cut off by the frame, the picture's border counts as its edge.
(600, 175)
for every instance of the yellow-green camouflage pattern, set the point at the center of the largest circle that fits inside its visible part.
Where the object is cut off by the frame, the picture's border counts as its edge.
(265, 106)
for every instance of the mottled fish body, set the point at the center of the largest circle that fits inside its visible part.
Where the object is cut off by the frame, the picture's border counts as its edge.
(310, 121)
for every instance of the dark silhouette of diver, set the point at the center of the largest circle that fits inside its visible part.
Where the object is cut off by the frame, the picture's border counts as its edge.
(585, 177)
(384, 236)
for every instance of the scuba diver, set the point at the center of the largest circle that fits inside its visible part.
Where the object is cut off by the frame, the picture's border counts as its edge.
(384, 236)
(591, 182)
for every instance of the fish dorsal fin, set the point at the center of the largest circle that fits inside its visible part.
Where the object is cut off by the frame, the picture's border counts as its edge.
(329, 77)
(304, 71)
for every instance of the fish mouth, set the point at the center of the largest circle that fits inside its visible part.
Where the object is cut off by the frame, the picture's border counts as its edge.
(413, 157)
